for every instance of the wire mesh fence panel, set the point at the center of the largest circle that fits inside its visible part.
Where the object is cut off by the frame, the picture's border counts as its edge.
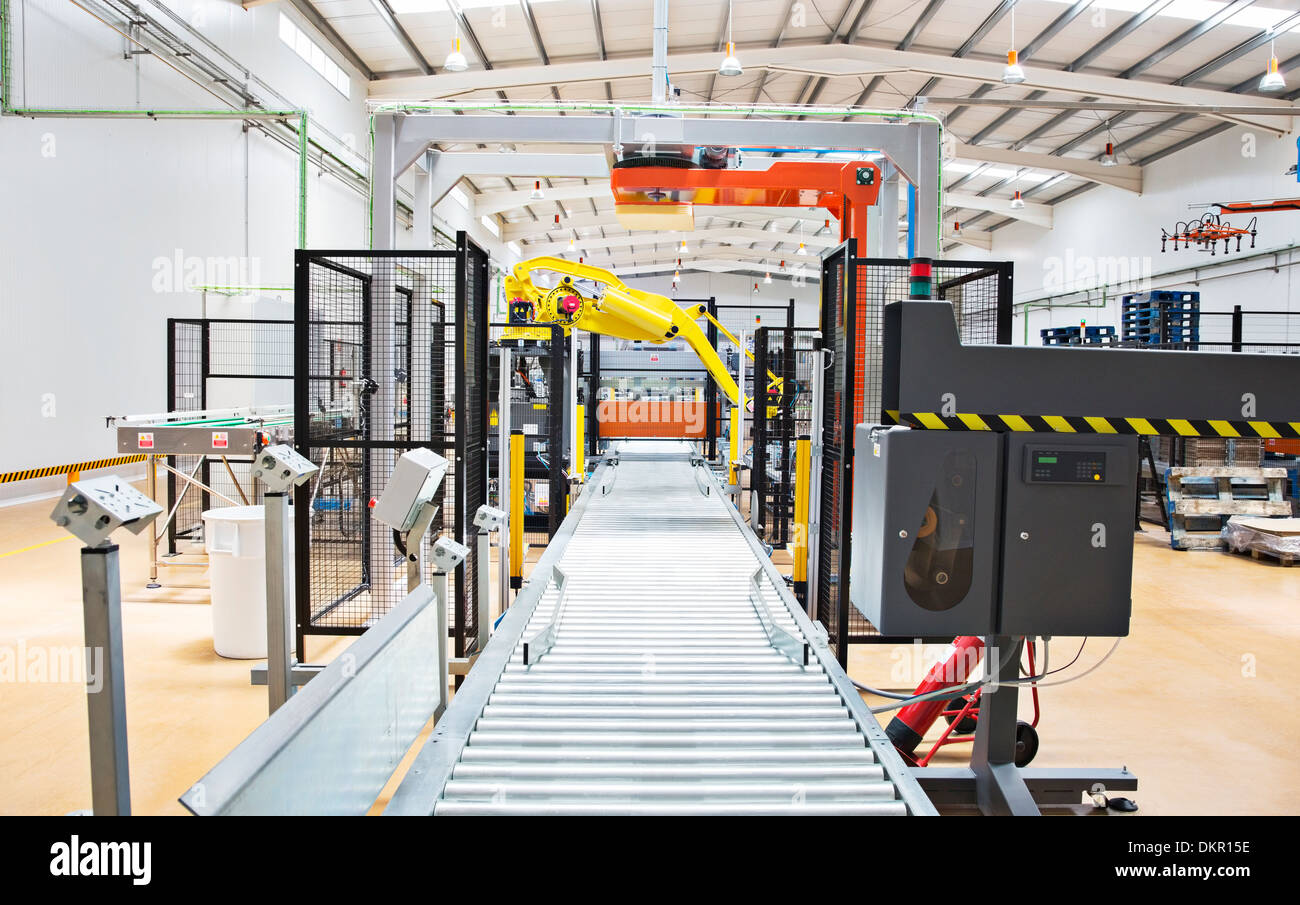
(644, 389)
(856, 291)
(742, 322)
(473, 289)
(537, 400)
(220, 363)
(783, 359)
(380, 371)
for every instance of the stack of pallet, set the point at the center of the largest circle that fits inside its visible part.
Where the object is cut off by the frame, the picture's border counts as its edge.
(1201, 499)
(1161, 318)
(1076, 335)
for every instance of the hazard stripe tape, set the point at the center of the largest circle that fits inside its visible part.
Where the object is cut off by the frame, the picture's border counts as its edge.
(53, 470)
(1091, 424)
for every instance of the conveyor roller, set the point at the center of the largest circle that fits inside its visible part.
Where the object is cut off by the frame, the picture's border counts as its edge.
(665, 675)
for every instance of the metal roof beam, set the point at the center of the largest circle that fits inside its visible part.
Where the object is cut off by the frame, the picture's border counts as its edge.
(842, 62)
(1128, 178)
(385, 13)
(499, 202)
(1187, 37)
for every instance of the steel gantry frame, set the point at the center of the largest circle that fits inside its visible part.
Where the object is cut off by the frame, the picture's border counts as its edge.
(405, 135)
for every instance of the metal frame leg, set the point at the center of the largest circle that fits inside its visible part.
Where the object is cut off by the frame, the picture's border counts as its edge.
(999, 788)
(438, 581)
(101, 596)
(152, 476)
(484, 597)
(279, 634)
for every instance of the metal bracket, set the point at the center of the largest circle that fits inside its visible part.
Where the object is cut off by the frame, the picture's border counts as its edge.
(779, 638)
(541, 643)
(299, 674)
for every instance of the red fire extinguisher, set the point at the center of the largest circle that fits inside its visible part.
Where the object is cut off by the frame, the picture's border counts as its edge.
(912, 722)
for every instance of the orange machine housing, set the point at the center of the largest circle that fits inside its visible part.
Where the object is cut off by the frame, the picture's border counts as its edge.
(844, 190)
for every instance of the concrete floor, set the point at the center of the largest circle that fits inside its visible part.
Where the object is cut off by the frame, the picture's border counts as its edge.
(1198, 701)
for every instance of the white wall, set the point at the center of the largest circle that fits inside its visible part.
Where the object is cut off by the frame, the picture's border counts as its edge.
(98, 210)
(1105, 237)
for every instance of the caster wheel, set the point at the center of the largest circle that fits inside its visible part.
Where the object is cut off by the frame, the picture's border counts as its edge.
(1026, 743)
(967, 725)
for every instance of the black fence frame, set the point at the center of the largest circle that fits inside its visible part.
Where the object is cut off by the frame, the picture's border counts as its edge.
(712, 401)
(468, 446)
(782, 428)
(842, 272)
(178, 402)
(556, 420)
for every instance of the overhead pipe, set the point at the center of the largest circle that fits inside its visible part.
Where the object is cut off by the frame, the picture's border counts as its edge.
(659, 59)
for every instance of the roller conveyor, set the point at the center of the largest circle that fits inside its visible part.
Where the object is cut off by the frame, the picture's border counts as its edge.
(665, 674)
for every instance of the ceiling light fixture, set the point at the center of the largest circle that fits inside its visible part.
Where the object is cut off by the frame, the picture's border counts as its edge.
(1017, 203)
(455, 61)
(537, 194)
(1272, 80)
(1013, 74)
(767, 278)
(730, 63)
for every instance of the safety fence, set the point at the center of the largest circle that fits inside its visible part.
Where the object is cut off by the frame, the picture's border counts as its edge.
(854, 294)
(390, 354)
(537, 410)
(220, 363)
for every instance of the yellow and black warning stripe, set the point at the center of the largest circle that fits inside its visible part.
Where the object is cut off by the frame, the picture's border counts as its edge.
(52, 470)
(1073, 424)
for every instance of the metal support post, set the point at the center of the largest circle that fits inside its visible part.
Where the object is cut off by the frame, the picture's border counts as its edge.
(279, 634)
(802, 466)
(438, 581)
(101, 597)
(483, 599)
(504, 494)
(517, 510)
(815, 479)
(999, 788)
(152, 475)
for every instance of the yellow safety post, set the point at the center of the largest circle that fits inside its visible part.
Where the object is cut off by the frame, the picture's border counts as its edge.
(802, 485)
(516, 509)
(580, 444)
(733, 473)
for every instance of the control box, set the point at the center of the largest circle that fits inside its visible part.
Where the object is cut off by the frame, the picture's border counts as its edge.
(96, 507)
(979, 533)
(414, 481)
(281, 467)
(1067, 538)
(925, 536)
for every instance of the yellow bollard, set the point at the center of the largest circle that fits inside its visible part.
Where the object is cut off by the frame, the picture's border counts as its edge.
(734, 472)
(580, 444)
(802, 486)
(516, 509)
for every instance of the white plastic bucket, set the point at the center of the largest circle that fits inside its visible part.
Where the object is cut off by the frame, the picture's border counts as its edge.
(235, 538)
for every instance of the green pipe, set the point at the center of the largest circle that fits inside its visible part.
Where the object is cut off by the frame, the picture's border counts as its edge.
(302, 179)
(8, 109)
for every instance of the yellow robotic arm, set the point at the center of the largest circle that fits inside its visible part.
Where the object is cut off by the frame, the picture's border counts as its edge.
(612, 308)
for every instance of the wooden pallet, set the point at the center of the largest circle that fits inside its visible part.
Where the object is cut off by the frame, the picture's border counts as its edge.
(1285, 559)
(1266, 531)
(1201, 499)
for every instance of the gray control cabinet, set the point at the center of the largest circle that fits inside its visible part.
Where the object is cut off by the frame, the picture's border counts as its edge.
(925, 534)
(1067, 540)
(979, 533)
